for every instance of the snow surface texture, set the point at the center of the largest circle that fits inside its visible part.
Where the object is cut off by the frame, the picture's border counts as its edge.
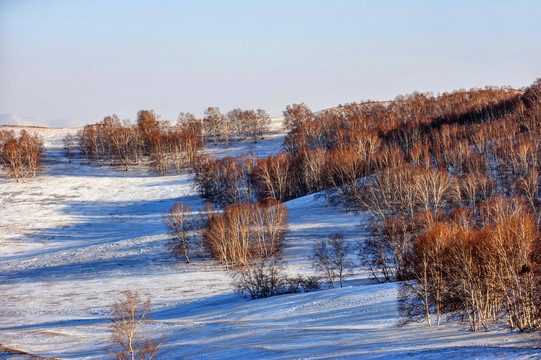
(73, 239)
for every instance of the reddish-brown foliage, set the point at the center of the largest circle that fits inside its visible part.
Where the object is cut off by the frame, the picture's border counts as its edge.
(245, 231)
(21, 155)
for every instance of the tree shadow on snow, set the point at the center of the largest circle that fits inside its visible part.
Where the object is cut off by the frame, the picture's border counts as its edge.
(72, 269)
(104, 228)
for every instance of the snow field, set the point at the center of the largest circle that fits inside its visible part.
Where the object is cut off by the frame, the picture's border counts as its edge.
(73, 239)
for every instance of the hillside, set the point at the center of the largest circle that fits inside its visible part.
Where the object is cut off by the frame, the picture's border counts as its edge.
(73, 239)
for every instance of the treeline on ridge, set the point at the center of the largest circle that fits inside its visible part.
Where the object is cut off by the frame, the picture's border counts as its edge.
(332, 149)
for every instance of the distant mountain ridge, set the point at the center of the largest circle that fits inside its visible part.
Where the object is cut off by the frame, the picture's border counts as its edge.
(20, 120)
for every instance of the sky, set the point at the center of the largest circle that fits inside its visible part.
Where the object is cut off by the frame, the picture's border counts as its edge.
(77, 61)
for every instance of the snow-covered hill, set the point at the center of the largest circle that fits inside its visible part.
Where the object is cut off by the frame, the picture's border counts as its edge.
(73, 239)
(20, 120)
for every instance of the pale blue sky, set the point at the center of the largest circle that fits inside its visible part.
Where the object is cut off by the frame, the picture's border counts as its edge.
(83, 60)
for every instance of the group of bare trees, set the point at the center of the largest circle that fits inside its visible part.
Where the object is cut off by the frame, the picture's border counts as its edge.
(234, 236)
(455, 216)
(450, 130)
(244, 232)
(265, 277)
(405, 121)
(122, 143)
(167, 145)
(112, 141)
(409, 163)
(21, 155)
(332, 149)
(246, 238)
(451, 183)
(282, 176)
(478, 268)
(244, 179)
(227, 180)
(236, 124)
(459, 244)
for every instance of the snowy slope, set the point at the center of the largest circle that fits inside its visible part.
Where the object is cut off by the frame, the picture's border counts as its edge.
(21, 120)
(73, 239)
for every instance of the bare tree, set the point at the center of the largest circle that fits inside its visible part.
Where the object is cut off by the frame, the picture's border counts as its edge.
(428, 268)
(262, 124)
(13, 159)
(330, 258)
(68, 146)
(312, 168)
(157, 147)
(261, 277)
(433, 189)
(188, 121)
(342, 170)
(148, 125)
(273, 176)
(238, 123)
(127, 325)
(295, 115)
(385, 252)
(213, 122)
(181, 225)
(475, 188)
